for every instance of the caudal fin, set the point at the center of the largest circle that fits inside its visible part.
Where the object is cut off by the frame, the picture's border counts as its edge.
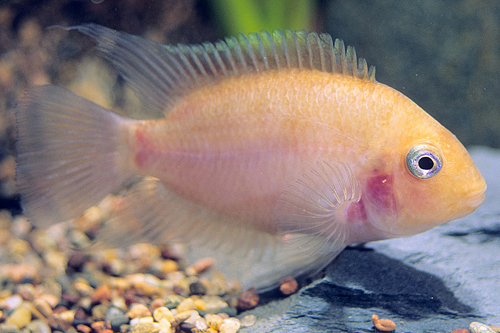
(69, 154)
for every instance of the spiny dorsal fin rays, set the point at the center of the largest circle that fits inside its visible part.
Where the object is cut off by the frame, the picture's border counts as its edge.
(161, 74)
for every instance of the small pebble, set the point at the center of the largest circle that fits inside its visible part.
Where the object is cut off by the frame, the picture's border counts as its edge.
(197, 288)
(83, 288)
(200, 266)
(52, 300)
(9, 328)
(162, 313)
(43, 306)
(383, 325)
(230, 325)
(38, 326)
(114, 312)
(248, 300)
(476, 327)
(172, 301)
(201, 324)
(101, 294)
(288, 285)
(68, 315)
(224, 315)
(118, 321)
(83, 328)
(99, 326)
(146, 320)
(187, 327)
(138, 310)
(214, 303)
(186, 305)
(100, 311)
(180, 318)
(248, 320)
(165, 326)
(213, 321)
(168, 266)
(144, 328)
(21, 316)
(13, 301)
(200, 304)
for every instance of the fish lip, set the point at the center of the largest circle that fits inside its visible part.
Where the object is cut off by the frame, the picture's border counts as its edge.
(476, 198)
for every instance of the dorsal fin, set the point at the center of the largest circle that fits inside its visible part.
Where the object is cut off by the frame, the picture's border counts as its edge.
(162, 73)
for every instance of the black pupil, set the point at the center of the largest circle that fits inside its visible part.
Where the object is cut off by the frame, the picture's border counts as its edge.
(425, 163)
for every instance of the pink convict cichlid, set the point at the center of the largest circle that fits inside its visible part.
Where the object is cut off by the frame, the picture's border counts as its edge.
(278, 149)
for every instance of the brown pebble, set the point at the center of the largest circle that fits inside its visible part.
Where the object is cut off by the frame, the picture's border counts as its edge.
(101, 294)
(200, 266)
(20, 272)
(383, 325)
(461, 330)
(248, 300)
(77, 260)
(157, 302)
(80, 314)
(288, 285)
(99, 326)
(83, 328)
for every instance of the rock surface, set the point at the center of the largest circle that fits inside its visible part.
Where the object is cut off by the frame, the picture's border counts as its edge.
(437, 281)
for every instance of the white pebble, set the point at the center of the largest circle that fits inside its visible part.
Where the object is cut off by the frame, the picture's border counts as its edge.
(165, 326)
(476, 327)
(200, 324)
(230, 325)
(134, 321)
(148, 320)
(13, 302)
(162, 313)
(248, 320)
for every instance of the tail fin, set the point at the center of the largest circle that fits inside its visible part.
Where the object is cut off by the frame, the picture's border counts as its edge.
(69, 154)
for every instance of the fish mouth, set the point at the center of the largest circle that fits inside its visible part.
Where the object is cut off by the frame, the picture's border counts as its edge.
(470, 203)
(476, 198)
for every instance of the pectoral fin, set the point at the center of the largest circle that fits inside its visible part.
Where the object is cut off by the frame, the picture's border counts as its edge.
(310, 214)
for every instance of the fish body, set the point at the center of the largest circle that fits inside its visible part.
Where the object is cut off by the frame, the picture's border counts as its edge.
(278, 141)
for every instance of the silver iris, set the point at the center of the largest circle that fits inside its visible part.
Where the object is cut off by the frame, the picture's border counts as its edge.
(424, 161)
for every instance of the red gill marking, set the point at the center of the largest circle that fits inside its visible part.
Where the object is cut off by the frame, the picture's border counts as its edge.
(379, 191)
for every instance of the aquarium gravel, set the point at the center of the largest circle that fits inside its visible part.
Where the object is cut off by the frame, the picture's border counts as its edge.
(48, 285)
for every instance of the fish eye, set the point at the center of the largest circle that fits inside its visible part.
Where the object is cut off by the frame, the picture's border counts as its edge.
(424, 161)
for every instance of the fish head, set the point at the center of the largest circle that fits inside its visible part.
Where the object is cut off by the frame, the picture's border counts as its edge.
(434, 179)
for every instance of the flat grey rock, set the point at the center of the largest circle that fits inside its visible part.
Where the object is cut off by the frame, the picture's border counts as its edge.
(436, 281)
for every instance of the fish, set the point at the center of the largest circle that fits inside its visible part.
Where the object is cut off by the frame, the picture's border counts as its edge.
(276, 149)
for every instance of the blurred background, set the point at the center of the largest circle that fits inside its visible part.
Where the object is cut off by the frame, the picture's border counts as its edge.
(445, 55)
